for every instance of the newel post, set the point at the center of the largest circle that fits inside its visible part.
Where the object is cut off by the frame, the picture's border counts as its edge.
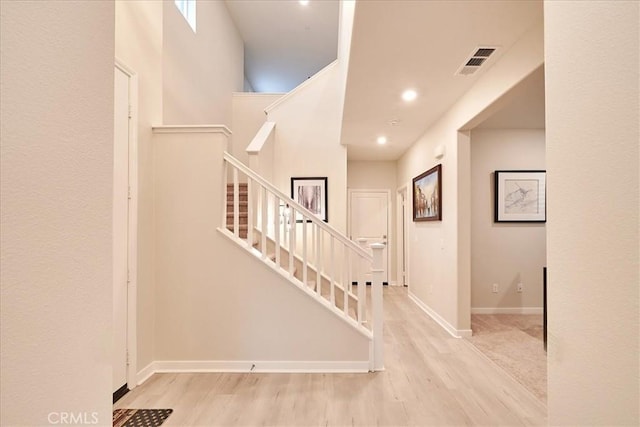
(377, 276)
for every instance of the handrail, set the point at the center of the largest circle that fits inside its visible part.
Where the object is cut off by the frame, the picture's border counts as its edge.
(261, 137)
(298, 207)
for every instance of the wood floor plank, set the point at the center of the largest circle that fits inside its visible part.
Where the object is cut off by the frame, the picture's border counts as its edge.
(430, 379)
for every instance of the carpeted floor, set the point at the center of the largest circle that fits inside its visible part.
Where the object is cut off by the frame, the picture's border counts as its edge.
(514, 342)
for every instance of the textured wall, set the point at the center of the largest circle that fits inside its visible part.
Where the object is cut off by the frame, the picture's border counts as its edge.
(506, 254)
(200, 70)
(139, 47)
(215, 302)
(57, 174)
(592, 230)
(439, 252)
(247, 118)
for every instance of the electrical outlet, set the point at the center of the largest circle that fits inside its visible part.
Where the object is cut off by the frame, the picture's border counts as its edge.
(495, 288)
(519, 288)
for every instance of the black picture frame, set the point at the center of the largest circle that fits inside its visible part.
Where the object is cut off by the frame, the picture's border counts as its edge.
(520, 196)
(427, 195)
(312, 193)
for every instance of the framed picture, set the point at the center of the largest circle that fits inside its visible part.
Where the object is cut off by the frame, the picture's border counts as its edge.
(427, 195)
(312, 194)
(520, 196)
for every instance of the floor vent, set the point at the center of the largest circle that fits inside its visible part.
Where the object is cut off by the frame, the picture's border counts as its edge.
(477, 58)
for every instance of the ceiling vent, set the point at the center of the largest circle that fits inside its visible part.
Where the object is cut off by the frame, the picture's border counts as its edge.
(477, 58)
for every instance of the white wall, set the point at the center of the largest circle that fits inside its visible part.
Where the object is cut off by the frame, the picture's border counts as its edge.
(201, 70)
(593, 201)
(362, 175)
(309, 125)
(140, 48)
(504, 253)
(215, 302)
(56, 185)
(439, 260)
(183, 78)
(247, 118)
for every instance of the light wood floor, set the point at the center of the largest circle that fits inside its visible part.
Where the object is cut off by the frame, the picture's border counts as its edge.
(430, 379)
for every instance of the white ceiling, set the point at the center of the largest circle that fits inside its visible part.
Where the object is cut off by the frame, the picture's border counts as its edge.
(526, 108)
(285, 43)
(396, 44)
(419, 44)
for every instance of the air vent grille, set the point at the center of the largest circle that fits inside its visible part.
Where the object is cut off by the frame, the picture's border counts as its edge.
(484, 52)
(477, 58)
(475, 62)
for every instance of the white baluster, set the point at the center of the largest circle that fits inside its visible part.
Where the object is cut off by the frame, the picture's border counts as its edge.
(362, 285)
(319, 261)
(304, 251)
(276, 229)
(332, 271)
(292, 242)
(236, 204)
(225, 181)
(264, 225)
(345, 277)
(249, 212)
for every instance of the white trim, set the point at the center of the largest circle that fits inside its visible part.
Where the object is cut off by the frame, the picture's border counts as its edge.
(261, 138)
(298, 207)
(456, 333)
(266, 366)
(132, 228)
(251, 94)
(507, 310)
(145, 373)
(248, 366)
(408, 216)
(298, 88)
(401, 232)
(192, 129)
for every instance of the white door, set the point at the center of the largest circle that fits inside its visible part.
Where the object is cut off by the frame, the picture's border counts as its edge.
(369, 222)
(120, 227)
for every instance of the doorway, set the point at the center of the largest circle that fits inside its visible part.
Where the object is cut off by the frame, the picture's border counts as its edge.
(369, 221)
(402, 206)
(124, 231)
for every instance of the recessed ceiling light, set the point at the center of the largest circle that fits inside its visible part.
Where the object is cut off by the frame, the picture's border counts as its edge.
(409, 95)
(304, 2)
(382, 140)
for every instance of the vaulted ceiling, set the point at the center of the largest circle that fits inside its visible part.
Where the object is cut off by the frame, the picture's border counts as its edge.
(396, 45)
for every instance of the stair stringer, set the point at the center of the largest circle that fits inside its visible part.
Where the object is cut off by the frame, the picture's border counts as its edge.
(325, 281)
(335, 311)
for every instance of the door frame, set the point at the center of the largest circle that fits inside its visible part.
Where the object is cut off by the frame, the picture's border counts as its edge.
(402, 225)
(390, 234)
(132, 229)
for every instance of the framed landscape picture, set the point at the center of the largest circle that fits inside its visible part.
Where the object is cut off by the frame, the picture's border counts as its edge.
(427, 195)
(520, 196)
(312, 194)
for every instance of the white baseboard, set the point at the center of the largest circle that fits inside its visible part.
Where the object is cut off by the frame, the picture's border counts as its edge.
(456, 333)
(146, 373)
(507, 310)
(240, 366)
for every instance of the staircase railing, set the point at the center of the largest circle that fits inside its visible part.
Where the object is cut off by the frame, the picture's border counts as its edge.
(317, 257)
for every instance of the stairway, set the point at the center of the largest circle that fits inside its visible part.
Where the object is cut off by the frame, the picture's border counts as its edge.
(243, 198)
(310, 254)
(312, 276)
